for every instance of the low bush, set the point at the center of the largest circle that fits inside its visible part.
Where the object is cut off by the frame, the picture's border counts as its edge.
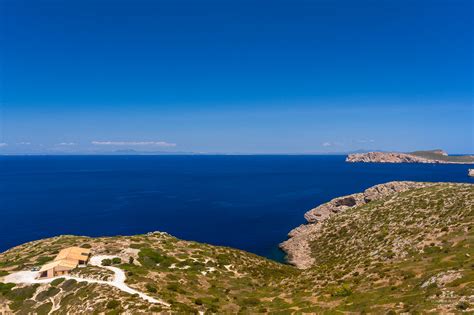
(151, 288)
(69, 284)
(21, 294)
(342, 291)
(113, 304)
(57, 281)
(5, 288)
(116, 260)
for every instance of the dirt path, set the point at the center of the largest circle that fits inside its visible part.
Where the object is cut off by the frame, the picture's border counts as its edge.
(29, 277)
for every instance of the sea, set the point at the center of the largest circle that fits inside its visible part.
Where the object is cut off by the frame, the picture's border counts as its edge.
(247, 202)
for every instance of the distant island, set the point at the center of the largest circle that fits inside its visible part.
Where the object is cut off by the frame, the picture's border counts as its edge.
(430, 156)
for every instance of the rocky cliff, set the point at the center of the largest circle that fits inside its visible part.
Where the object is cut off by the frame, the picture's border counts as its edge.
(433, 156)
(386, 157)
(298, 247)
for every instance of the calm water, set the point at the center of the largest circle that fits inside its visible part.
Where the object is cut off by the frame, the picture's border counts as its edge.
(247, 202)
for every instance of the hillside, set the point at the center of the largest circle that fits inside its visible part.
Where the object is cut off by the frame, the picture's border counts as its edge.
(430, 156)
(405, 251)
(440, 155)
(412, 251)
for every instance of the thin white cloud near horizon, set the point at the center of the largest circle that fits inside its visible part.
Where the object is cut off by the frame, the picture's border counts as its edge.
(3, 144)
(67, 143)
(135, 143)
(331, 144)
(24, 143)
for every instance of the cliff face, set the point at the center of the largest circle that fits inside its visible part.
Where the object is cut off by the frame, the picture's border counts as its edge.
(298, 247)
(433, 156)
(389, 157)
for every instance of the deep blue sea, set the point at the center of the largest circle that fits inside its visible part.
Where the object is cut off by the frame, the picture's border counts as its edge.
(247, 202)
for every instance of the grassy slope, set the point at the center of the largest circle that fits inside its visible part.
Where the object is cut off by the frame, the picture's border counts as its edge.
(432, 155)
(380, 254)
(191, 276)
(373, 258)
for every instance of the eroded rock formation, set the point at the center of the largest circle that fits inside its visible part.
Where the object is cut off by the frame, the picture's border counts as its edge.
(386, 157)
(297, 246)
(432, 156)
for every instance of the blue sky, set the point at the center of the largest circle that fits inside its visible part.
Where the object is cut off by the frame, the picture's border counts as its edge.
(236, 76)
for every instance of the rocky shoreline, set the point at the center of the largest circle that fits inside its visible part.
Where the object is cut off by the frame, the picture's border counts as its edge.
(387, 157)
(436, 156)
(297, 247)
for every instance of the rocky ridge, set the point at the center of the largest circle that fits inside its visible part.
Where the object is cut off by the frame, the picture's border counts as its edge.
(433, 156)
(387, 157)
(298, 246)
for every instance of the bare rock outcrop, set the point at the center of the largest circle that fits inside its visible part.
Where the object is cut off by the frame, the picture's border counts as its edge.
(432, 157)
(386, 157)
(298, 247)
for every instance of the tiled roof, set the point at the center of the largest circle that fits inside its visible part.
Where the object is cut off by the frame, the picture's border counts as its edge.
(73, 253)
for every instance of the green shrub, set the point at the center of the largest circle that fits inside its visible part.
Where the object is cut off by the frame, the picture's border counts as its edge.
(69, 284)
(106, 262)
(342, 291)
(22, 294)
(172, 287)
(150, 288)
(5, 288)
(44, 309)
(150, 258)
(113, 304)
(116, 260)
(57, 281)
(43, 295)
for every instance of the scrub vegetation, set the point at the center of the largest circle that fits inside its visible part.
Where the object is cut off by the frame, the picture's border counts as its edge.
(437, 155)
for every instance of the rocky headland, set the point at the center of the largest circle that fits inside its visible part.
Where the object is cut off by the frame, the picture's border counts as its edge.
(432, 156)
(298, 247)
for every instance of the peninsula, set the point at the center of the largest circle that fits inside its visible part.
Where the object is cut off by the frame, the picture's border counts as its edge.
(430, 156)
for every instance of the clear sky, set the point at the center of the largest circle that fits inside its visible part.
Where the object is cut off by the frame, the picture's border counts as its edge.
(236, 76)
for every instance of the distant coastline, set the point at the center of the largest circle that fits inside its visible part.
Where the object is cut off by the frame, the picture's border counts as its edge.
(431, 156)
(132, 152)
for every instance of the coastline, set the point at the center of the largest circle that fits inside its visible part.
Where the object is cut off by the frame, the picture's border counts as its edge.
(297, 246)
(424, 157)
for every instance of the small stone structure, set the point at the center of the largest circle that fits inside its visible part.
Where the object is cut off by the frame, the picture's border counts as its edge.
(65, 261)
